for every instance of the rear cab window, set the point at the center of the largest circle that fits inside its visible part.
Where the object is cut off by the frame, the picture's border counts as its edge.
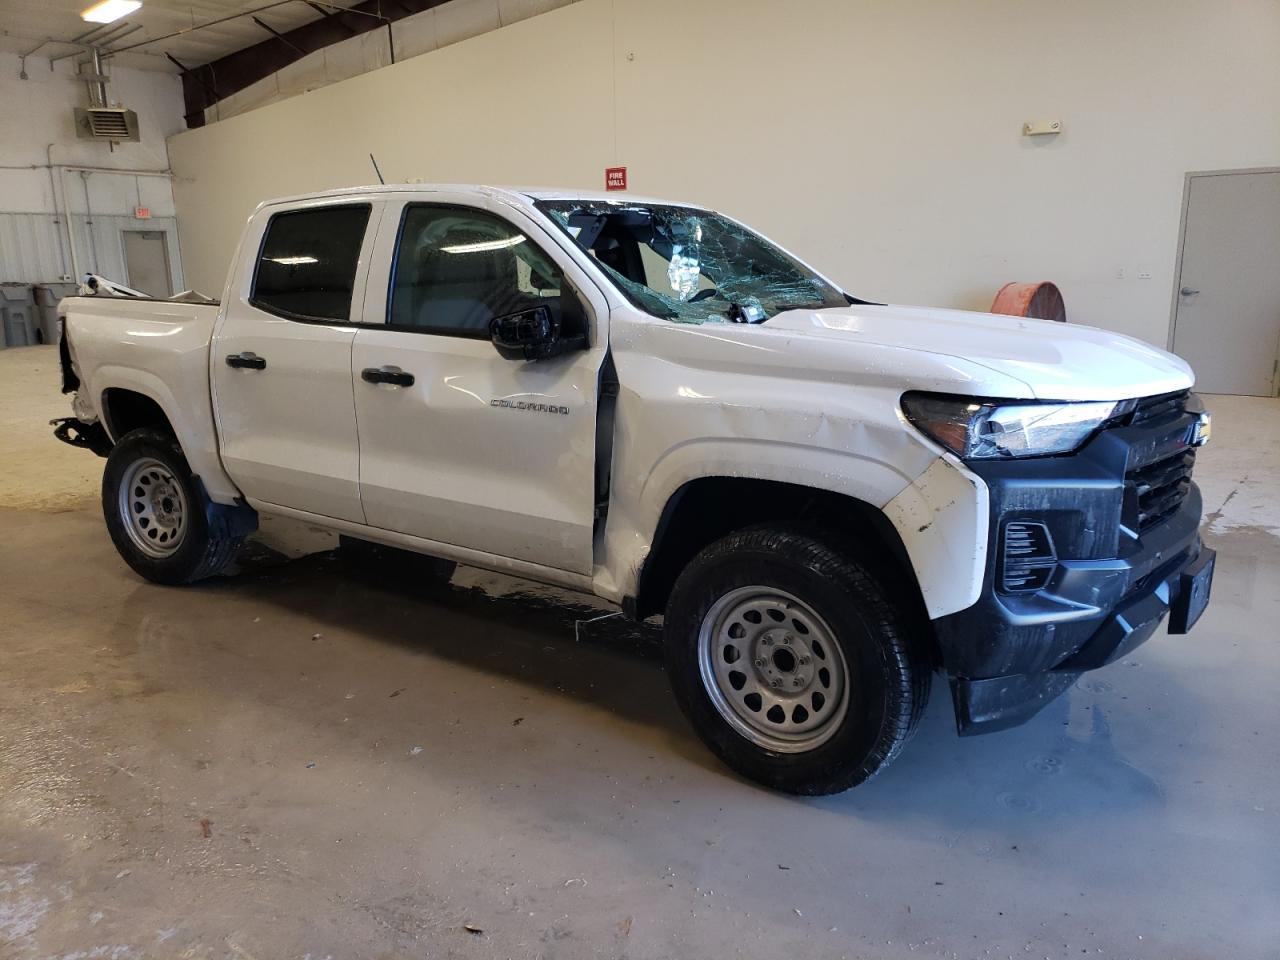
(307, 264)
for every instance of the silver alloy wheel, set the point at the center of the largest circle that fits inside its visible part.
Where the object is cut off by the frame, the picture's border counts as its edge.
(773, 669)
(153, 507)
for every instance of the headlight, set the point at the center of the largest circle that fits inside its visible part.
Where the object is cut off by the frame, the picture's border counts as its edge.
(986, 430)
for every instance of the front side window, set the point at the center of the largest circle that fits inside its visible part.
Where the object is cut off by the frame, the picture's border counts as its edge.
(691, 265)
(307, 267)
(458, 268)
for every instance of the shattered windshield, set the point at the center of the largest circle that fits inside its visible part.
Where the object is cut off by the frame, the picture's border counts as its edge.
(690, 265)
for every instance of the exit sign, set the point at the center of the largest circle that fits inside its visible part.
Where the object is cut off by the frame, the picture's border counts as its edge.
(615, 178)
(142, 213)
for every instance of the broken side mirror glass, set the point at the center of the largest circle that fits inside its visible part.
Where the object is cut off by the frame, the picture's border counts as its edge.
(533, 334)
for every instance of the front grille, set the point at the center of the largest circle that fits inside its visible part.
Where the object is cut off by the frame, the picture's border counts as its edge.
(1164, 405)
(1159, 488)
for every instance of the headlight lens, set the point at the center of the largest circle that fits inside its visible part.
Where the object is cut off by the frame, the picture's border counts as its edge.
(985, 430)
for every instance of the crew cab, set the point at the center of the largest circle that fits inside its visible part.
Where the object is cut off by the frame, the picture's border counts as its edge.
(828, 500)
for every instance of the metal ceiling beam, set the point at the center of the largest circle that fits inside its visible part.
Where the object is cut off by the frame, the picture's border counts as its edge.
(280, 36)
(97, 37)
(238, 70)
(334, 9)
(206, 23)
(187, 71)
(334, 16)
(109, 51)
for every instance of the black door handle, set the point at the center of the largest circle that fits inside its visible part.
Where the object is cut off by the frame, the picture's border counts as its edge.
(246, 361)
(392, 375)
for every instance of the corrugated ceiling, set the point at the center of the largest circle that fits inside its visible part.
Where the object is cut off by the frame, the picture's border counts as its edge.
(25, 23)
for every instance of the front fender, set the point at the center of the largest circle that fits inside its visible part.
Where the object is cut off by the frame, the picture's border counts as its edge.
(937, 507)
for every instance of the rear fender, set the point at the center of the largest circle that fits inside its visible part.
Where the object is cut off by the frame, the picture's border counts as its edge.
(190, 417)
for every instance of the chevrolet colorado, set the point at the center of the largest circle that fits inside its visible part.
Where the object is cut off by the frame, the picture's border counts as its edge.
(829, 500)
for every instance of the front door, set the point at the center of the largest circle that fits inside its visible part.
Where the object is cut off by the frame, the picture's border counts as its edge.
(1227, 313)
(281, 360)
(459, 444)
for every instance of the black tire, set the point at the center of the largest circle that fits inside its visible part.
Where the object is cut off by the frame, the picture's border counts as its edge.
(889, 674)
(199, 555)
(364, 556)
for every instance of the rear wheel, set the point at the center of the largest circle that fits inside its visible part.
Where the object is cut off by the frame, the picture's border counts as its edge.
(791, 662)
(155, 511)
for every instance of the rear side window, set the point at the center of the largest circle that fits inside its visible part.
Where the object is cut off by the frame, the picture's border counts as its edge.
(307, 267)
(457, 268)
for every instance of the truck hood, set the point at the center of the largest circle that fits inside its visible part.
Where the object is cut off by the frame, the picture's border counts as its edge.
(1056, 361)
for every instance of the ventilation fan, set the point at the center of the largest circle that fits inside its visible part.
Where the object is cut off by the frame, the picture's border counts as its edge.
(106, 123)
(98, 121)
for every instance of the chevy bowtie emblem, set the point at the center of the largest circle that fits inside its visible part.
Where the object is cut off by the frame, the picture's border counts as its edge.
(1202, 430)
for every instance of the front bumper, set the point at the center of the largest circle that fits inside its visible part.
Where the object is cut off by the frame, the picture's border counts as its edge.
(1114, 578)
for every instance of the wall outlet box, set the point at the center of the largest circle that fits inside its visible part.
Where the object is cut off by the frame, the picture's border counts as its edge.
(1039, 128)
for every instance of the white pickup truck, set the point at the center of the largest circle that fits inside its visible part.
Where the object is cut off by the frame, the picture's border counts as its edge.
(828, 500)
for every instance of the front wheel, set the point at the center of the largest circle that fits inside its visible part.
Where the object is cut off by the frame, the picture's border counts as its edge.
(155, 512)
(792, 663)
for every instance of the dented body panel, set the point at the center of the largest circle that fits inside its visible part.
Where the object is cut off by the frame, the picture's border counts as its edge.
(768, 404)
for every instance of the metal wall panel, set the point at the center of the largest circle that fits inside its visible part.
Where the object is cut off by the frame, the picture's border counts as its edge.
(33, 246)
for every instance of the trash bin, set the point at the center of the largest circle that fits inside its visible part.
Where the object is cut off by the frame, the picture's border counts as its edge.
(17, 310)
(47, 296)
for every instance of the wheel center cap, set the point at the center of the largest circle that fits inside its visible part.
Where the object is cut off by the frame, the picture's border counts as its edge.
(163, 503)
(784, 661)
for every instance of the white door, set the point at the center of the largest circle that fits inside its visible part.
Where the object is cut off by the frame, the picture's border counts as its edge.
(281, 359)
(1227, 314)
(459, 444)
(146, 261)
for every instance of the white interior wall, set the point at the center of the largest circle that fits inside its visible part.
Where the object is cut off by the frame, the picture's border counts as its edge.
(880, 141)
(36, 129)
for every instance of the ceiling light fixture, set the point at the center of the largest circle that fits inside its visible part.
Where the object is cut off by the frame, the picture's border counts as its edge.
(109, 11)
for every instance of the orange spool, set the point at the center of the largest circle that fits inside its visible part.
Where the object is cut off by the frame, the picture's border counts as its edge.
(1041, 300)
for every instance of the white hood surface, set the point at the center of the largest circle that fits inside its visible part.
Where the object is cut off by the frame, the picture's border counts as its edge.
(1056, 361)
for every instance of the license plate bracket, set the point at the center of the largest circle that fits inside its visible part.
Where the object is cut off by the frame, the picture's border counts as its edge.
(1195, 584)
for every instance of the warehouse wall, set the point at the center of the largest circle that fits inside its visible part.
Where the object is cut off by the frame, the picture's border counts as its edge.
(36, 121)
(880, 141)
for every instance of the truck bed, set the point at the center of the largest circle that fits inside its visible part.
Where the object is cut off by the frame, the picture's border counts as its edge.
(158, 348)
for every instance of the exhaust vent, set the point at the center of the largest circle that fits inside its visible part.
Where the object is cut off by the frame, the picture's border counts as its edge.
(106, 123)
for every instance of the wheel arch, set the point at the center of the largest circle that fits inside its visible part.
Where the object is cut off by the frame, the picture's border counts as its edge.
(123, 409)
(128, 398)
(706, 509)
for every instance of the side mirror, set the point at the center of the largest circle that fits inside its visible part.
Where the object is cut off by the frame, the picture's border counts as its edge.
(531, 335)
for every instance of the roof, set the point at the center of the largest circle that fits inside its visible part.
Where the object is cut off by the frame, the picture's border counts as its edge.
(517, 194)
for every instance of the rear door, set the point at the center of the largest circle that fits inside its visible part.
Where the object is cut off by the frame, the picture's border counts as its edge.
(471, 448)
(281, 357)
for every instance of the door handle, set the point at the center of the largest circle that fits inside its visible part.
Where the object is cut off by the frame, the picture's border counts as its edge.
(392, 375)
(246, 361)
(1188, 292)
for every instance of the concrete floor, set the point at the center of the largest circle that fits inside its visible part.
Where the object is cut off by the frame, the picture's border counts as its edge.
(298, 762)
